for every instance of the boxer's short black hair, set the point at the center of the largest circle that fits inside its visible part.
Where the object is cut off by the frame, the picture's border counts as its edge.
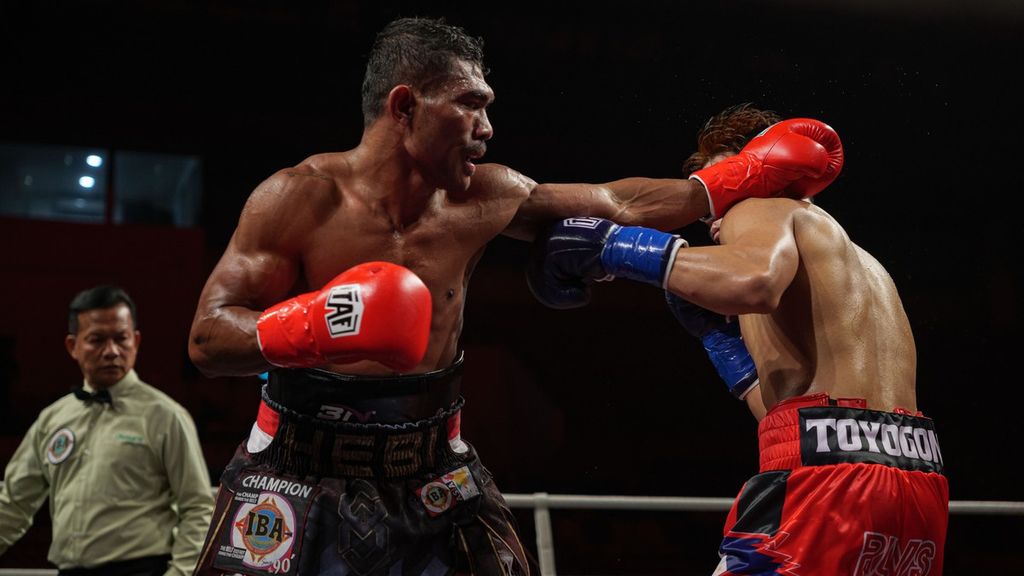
(417, 52)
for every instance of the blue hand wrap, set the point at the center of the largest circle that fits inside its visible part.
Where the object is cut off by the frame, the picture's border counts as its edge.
(638, 253)
(729, 354)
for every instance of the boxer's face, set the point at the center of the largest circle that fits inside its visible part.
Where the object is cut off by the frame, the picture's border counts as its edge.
(450, 128)
(106, 344)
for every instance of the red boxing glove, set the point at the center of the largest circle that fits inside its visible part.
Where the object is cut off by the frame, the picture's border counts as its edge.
(374, 311)
(796, 158)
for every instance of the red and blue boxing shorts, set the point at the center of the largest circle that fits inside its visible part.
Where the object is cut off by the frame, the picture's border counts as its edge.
(841, 490)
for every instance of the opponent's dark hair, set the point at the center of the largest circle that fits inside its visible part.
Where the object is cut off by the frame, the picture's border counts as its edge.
(728, 132)
(98, 298)
(420, 52)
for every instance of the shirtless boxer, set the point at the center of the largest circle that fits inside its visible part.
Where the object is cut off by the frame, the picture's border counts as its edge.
(851, 472)
(355, 464)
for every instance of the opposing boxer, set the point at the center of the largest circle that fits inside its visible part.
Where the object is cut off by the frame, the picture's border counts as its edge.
(356, 464)
(851, 477)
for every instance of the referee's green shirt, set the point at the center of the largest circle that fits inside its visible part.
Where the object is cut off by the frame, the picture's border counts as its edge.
(125, 480)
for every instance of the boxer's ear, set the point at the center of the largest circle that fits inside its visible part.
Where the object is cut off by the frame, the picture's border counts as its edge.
(400, 103)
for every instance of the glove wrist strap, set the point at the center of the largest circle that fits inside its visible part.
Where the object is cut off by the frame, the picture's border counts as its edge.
(639, 253)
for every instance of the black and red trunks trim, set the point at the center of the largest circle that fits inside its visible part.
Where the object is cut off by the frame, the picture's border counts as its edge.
(817, 431)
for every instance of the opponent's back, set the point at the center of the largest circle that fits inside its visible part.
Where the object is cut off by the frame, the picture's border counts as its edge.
(839, 328)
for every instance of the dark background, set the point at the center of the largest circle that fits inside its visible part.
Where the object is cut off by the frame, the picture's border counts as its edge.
(612, 399)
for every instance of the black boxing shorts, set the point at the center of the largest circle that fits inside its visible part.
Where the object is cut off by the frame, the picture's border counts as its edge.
(841, 490)
(344, 494)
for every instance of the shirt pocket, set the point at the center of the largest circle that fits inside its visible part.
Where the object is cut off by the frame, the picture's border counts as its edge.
(126, 464)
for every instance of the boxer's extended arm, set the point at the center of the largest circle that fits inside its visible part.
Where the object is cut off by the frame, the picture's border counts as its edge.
(797, 158)
(661, 203)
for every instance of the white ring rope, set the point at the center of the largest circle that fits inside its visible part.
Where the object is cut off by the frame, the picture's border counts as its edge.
(542, 503)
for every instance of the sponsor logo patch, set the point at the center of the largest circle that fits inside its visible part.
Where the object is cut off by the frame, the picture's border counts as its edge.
(267, 516)
(445, 492)
(343, 310)
(832, 435)
(61, 445)
(264, 532)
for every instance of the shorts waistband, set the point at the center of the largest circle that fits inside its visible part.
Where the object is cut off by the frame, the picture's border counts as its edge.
(817, 430)
(365, 399)
(304, 445)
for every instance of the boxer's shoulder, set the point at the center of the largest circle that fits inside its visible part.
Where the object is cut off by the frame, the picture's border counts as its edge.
(501, 182)
(322, 173)
(326, 166)
(306, 188)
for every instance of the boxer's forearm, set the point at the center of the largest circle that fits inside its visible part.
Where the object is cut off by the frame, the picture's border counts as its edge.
(661, 203)
(223, 343)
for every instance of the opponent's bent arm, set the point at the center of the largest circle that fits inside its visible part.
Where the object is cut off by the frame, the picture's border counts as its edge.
(751, 271)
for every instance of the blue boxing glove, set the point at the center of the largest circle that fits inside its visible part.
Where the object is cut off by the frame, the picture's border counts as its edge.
(722, 341)
(575, 252)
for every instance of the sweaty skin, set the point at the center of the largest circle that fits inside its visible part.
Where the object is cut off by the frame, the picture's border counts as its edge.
(410, 193)
(817, 312)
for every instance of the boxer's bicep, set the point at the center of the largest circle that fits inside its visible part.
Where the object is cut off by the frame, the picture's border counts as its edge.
(249, 279)
(549, 202)
(259, 267)
(750, 271)
(762, 233)
(262, 260)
